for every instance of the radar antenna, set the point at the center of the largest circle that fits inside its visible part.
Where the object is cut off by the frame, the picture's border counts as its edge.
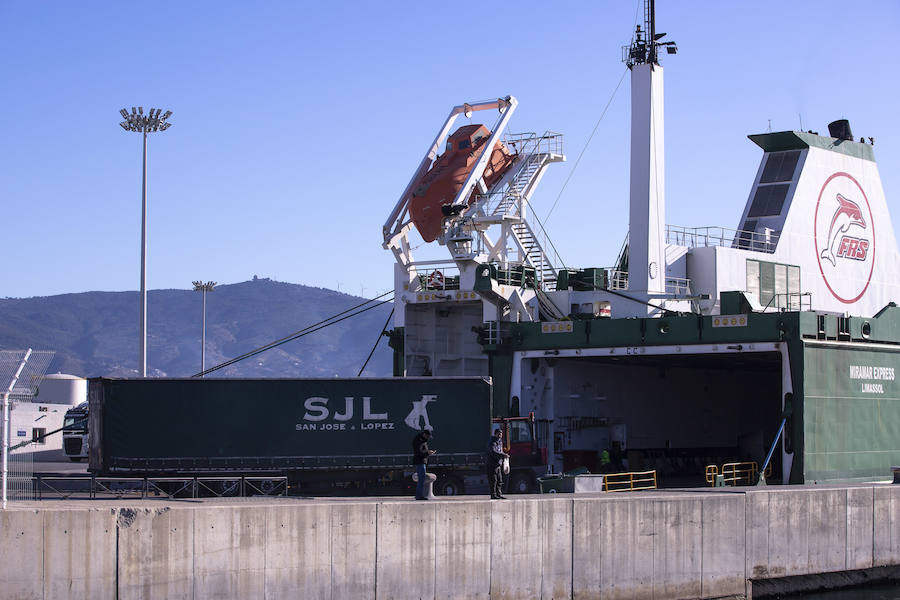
(645, 45)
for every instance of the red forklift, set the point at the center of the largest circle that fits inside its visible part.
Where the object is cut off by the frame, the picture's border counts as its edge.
(527, 451)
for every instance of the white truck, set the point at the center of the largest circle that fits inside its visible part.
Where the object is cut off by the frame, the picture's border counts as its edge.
(75, 433)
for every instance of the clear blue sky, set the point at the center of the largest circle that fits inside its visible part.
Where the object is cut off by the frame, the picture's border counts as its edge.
(297, 125)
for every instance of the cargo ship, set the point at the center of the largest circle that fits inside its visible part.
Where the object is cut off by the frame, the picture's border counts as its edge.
(774, 340)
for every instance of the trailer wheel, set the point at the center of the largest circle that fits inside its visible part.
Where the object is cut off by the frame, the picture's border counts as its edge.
(226, 488)
(520, 483)
(448, 485)
(266, 487)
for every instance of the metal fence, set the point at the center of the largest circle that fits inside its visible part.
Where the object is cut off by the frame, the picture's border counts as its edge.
(21, 372)
(140, 488)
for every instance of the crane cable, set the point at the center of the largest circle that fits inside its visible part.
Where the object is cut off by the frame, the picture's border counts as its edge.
(302, 332)
(586, 144)
(383, 331)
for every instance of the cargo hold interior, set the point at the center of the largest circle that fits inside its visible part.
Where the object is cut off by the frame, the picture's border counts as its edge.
(673, 413)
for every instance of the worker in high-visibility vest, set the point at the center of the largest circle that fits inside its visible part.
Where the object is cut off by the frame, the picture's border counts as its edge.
(604, 461)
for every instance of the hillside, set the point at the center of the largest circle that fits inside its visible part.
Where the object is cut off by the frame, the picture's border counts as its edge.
(96, 333)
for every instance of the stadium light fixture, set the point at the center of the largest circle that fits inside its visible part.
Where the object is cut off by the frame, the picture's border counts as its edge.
(199, 286)
(138, 122)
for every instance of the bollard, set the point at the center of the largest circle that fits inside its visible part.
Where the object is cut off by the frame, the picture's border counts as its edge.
(429, 483)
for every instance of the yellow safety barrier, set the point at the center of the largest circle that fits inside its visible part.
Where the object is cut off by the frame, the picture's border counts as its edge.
(629, 482)
(736, 473)
(741, 473)
(711, 472)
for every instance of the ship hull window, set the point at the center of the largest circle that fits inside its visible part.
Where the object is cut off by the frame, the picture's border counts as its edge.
(775, 285)
(768, 200)
(780, 166)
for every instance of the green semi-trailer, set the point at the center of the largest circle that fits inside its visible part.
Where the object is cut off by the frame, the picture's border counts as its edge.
(317, 432)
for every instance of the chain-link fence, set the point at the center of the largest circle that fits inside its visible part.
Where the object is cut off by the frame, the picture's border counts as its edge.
(21, 372)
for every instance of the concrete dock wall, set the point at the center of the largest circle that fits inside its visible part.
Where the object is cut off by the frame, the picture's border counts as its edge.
(704, 544)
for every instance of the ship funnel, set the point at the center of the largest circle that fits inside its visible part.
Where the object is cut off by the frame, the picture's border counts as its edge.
(840, 129)
(818, 206)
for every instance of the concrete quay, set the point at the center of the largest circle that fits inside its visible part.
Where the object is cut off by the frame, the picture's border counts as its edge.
(644, 545)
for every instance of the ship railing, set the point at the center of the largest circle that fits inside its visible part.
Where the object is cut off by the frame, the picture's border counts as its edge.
(629, 482)
(678, 286)
(618, 280)
(488, 204)
(790, 301)
(495, 331)
(514, 274)
(506, 202)
(530, 142)
(675, 286)
(697, 237)
(491, 332)
(434, 277)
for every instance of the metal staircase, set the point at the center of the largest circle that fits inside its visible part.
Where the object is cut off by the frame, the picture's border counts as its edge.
(506, 203)
(535, 255)
(519, 184)
(618, 276)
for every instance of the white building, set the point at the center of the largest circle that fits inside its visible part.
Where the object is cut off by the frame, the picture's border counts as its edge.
(44, 413)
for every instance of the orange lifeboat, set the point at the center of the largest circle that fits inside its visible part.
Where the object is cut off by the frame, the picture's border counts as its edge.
(442, 182)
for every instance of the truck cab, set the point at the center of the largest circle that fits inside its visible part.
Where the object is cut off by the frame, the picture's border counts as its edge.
(75, 433)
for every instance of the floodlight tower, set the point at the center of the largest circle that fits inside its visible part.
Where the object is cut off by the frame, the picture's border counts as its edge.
(153, 122)
(199, 286)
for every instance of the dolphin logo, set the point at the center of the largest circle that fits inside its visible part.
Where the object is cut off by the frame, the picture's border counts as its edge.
(419, 412)
(846, 216)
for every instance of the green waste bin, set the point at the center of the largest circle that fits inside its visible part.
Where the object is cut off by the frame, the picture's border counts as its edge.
(577, 471)
(561, 483)
(552, 484)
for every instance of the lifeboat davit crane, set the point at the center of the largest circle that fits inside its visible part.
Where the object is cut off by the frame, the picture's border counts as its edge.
(435, 191)
(406, 214)
(474, 197)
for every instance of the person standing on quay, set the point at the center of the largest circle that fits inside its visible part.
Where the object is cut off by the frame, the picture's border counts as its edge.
(495, 456)
(421, 452)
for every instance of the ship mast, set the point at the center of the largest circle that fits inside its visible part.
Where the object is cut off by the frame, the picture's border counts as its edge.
(646, 243)
(644, 48)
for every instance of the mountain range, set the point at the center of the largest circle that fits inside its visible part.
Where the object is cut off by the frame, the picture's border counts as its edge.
(96, 333)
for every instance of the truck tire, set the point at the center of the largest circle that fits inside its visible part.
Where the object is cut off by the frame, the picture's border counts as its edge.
(448, 485)
(520, 483)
